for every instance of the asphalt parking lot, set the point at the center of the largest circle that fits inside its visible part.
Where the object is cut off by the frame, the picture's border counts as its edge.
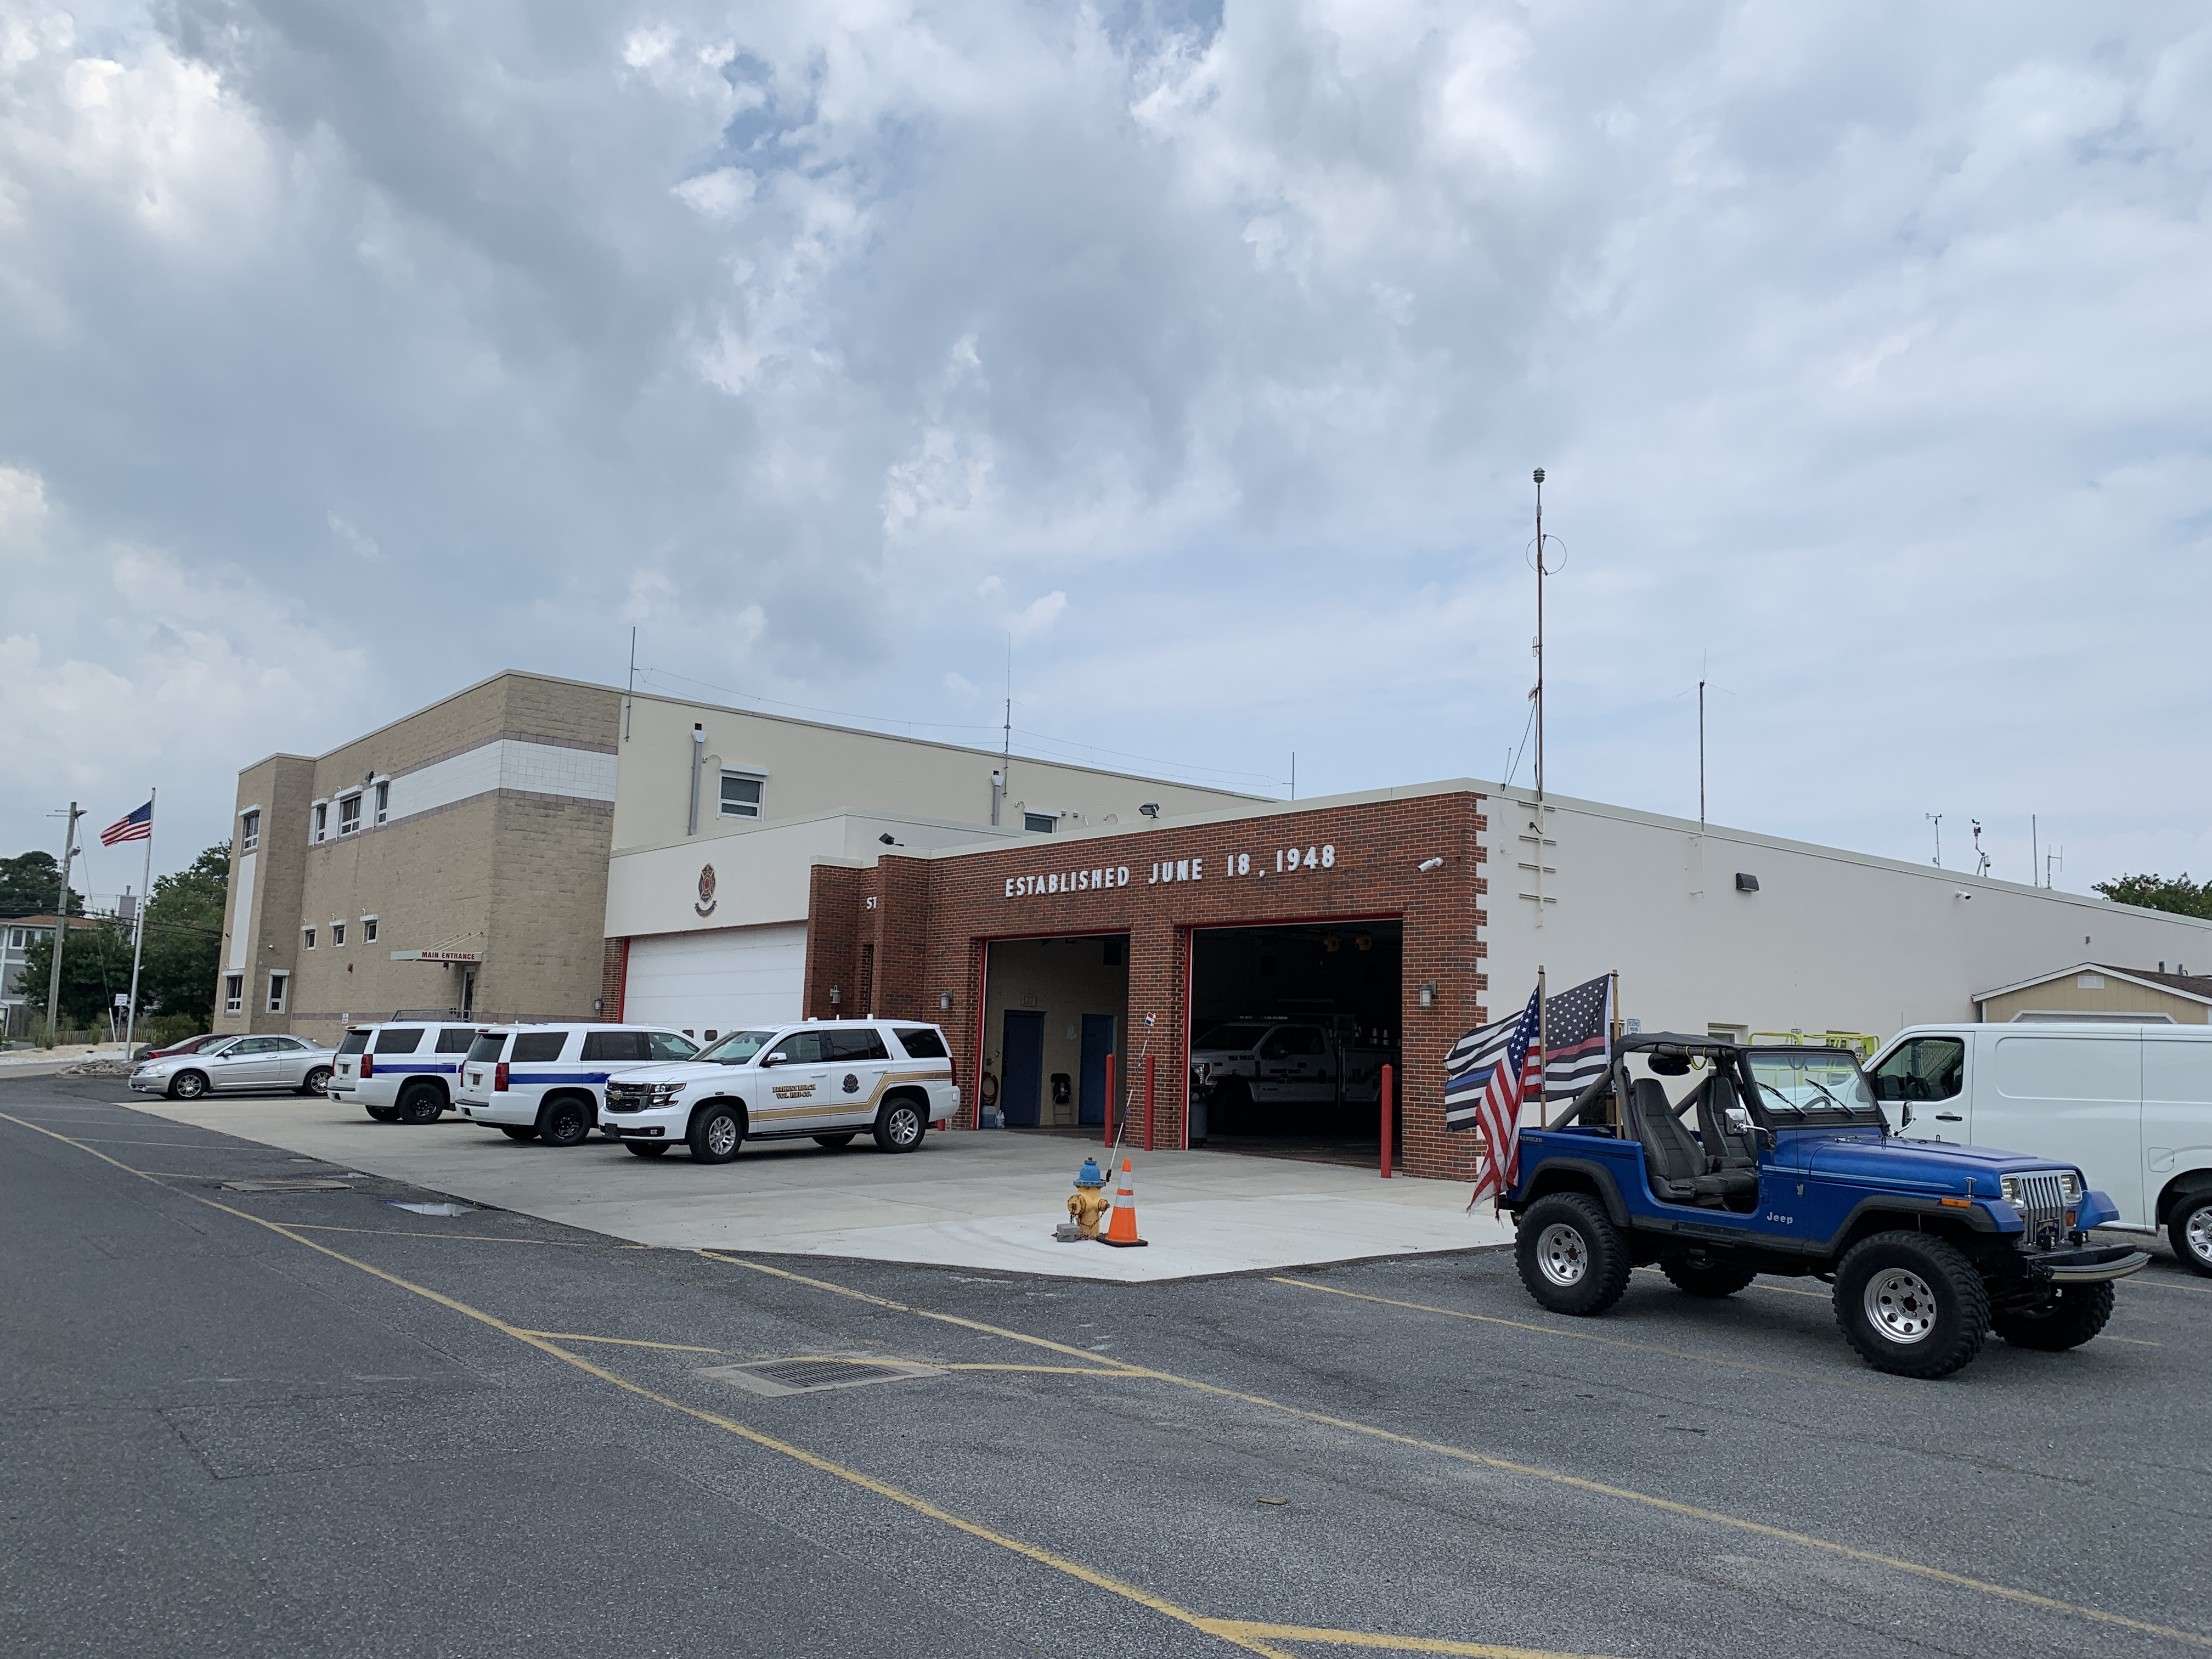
(249, 1421)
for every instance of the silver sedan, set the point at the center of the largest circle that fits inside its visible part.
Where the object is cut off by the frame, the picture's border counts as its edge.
(238, 1065)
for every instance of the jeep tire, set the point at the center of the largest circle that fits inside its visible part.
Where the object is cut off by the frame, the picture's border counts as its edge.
(1572, 1259)
(899, 1127)
(2074, 1314)
(419, 1103)
(716, 1133)
(1911, 1304)
(566, 1121)
(2188, 1230)
(1706, 1278)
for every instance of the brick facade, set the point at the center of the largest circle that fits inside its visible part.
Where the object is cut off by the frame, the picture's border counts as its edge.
(922, 926)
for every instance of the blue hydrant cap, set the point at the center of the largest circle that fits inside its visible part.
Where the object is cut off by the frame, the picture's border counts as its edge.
(1090, 1175)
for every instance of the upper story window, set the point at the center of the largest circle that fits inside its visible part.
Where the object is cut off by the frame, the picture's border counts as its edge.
(277, 982)
(322, 826)
(368, 930)
(338, 936)
(741, 793)
(307, 937)
(348, 814)
(249, 832)
(1040, 823)
(383, 802)
(234, 992)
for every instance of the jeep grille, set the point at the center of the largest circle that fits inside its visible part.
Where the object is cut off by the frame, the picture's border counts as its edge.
(2041, 1201)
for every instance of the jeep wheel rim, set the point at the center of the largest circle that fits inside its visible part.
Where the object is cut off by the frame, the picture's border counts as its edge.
(1561, 1254)
(2198, 1233)
(721, 1135)
(1899, 1304)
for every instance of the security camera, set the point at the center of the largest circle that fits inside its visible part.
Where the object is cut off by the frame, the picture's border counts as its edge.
(1962, 895)
(1150, 809)
(1429, 863)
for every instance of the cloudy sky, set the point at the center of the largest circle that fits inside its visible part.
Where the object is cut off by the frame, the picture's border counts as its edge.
(353, 353)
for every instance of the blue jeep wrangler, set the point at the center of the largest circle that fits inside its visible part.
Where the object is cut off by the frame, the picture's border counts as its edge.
(1790, 1168)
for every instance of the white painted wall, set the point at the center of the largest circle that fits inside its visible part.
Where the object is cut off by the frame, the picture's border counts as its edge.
(719, 981)
(1832, 941)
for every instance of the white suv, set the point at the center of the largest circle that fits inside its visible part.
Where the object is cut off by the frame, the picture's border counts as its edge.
(403, 1070)
(827, 1078)
(546, 1082)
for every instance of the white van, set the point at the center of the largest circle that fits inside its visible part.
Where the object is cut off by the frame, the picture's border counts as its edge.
(2130, 1104)
(403, 1070)
(548, 1082)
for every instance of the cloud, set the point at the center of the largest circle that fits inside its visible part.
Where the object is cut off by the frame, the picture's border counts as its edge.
(1860, 342)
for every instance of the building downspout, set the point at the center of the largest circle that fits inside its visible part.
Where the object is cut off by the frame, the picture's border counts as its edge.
(698, 750)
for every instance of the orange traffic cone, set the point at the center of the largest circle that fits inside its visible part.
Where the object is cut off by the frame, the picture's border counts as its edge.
(1122, 1230)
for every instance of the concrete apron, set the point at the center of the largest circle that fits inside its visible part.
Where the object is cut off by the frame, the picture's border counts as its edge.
(967, 1198)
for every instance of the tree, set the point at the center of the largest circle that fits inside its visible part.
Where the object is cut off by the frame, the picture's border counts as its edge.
(2182, 896)
(183, 942)
(29, 883)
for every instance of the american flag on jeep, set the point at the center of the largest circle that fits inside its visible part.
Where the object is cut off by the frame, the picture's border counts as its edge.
(1487, 1074)
(1577, 1037)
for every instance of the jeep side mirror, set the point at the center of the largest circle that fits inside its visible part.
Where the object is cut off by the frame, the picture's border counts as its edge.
(1905, 1117)
(1738, 1120)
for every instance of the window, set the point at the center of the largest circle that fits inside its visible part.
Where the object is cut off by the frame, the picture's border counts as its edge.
(487, 1046)
(348, 814)
(456, 1040)
(398, 1040)
(322, 819)
(741, 795)
(14, 939)
(249, 832)
(799, 1049)
(1293, 1041)
(862, 1044)
(368, 930)
(277, 984)
(1039, 823)
(234, 992)
(354, 1042)
(537, 1045)
(383, 802)
(338, 936)
(617, 1046)
(711, 1033)
(1926, 1068)
(306, 939)
(666, 1045)
(922, 1042)
(737, 1048)
(281, 1045)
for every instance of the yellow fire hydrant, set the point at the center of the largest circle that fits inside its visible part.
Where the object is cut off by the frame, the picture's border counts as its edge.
(1088, 1204)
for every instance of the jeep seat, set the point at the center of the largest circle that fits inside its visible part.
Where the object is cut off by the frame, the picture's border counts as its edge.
(1675, 1164)
(1726, 1150)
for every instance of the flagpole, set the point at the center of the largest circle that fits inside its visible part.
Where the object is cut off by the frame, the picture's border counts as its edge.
(1543, 1047)
(138, 946)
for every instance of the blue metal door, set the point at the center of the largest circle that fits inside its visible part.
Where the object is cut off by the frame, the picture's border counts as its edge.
(1097, 1043)
(1024, 1068)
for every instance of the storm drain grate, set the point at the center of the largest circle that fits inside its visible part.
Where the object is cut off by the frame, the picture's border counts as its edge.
(776, 1378)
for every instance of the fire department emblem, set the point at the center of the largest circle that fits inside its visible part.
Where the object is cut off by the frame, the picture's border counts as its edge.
(852, 1084)
(704, 907)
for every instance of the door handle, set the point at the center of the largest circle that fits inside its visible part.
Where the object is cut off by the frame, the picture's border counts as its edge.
(1948, 1117)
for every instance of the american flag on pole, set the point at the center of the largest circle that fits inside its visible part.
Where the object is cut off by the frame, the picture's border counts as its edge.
(1488, 1073)
(132, 826)
(1577, 1037)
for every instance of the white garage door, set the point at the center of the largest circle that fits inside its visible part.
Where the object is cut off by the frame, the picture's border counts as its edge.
(722, 979)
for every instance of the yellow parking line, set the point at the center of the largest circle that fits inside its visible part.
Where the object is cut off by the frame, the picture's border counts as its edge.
(1357, 1639)
(1578, 1336)
(424, 1232)
(622, 1341)
(2161, 1284)
(2132, 1341)
(1528, 1471)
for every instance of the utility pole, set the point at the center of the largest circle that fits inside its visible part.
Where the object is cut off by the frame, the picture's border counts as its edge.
(61, 931)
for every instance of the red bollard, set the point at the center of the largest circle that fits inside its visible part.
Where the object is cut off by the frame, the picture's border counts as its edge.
(1109, 1099)
(1386, 1121)
(1148, 1101)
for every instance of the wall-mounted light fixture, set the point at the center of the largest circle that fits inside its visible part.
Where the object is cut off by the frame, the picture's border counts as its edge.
(836, 995)
(1150, 809)
(1429, 995)
(1429, 863)
(1745, 883)
(944, 1002)
(887, 840)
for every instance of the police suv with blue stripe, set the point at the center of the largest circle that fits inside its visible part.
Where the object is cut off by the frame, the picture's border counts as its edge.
(548, 1082)
(403, 1070)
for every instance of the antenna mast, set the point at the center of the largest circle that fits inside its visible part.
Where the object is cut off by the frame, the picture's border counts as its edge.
(1539, 658)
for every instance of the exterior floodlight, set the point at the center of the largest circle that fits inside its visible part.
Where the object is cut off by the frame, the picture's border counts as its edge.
(1150, 809)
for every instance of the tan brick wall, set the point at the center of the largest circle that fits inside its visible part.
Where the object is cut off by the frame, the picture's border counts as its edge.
(952, 907)
(281, 786)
